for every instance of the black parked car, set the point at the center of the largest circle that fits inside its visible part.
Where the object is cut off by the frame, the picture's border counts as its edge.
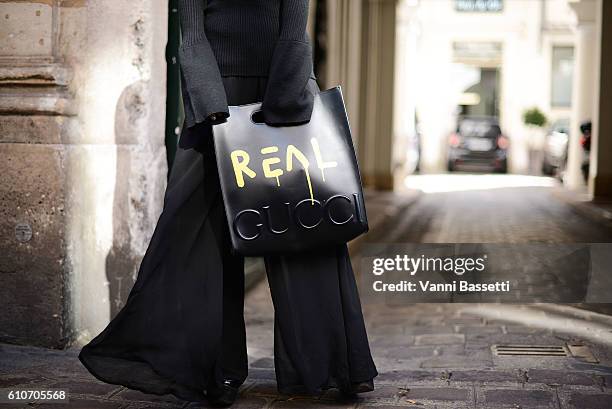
(478, 142)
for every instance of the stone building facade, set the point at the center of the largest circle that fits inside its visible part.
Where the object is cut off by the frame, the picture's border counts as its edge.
(83, 167)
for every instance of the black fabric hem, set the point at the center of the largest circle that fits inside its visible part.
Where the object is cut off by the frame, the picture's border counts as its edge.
(182, 392)
(301, 389)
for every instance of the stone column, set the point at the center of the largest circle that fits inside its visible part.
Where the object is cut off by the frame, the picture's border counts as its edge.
(601, 151)
(343, 65)
(83, 160)
(583, 90)
(37, 112)
(376, 113)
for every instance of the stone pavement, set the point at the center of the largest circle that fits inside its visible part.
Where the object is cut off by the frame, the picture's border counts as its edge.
(465, 208)
(428, 356)
(598, 211)
(440, 356)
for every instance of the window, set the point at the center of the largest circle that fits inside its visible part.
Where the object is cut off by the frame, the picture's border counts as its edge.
(562, 73)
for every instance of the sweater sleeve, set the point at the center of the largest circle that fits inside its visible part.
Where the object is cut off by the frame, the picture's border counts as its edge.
(288, 100)
(204, 96)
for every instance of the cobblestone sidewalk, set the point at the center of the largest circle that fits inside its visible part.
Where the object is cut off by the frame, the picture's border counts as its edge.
(428, 356)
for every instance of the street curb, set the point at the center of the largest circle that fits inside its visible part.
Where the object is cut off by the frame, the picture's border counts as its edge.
(582, 205)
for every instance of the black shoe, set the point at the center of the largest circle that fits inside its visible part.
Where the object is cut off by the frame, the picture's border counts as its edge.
(359, 387)
(226, 395)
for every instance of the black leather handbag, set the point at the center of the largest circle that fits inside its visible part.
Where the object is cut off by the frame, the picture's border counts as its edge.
(288, 189)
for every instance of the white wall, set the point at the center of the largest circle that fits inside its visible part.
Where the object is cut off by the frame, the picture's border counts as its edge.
(116, 159)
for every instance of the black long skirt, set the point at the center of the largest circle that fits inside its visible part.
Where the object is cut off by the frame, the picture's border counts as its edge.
(182, 328)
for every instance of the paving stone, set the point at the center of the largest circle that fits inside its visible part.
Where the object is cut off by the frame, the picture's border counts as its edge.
(392, 340)
(590, 401)
(520, 397)
(262, 374)
(85, 387)
(406, 376)
(463, 329)
(398, 364)
(480, 354)
(477, 346)
(385, 392)
(251, 402)
(389, 320)
(263, 363)
(520, 339)
(436, 394)
(522, 362)
(84, 404)
(560, 377)
(134, 395)
(385, 406)
(520, 329)
(59, 368)
(386, 329)
(439, 339)
(405, 352)
(430, 321)
(429, 329)
(454, 350)
(310, 403)
(484, 376)
(465, 320)
(263, 388)
(140, 405)
(454, 362)
(7, 381)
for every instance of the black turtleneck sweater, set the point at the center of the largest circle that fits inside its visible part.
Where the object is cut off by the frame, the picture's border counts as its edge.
(262, 38)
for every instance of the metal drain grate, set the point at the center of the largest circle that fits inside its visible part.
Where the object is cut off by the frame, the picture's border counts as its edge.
(530, 350)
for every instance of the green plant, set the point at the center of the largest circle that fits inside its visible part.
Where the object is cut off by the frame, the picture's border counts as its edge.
(534, 117)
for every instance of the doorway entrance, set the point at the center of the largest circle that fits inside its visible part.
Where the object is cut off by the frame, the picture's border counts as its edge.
(482, 98)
